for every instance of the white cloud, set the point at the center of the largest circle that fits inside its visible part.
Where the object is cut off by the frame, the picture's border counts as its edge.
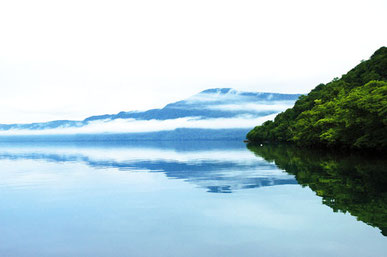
(254, 107)
(231, 95)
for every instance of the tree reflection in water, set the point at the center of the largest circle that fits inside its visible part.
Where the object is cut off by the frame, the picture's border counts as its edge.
(347, 182)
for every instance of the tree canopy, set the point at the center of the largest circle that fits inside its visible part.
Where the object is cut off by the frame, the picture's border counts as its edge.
(348, 112)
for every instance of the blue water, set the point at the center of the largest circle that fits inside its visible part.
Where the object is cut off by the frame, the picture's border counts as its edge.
(165, 199)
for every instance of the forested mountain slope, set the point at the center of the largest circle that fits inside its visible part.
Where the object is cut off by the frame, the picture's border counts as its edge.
(349, 112)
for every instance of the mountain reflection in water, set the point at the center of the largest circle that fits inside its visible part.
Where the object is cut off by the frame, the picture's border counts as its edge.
(150, 199)
(352, 183)
(202, 163)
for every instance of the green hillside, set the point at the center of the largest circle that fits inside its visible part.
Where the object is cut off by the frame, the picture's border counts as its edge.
(349, 112)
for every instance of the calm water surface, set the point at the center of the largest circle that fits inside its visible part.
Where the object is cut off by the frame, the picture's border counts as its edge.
(188, 199)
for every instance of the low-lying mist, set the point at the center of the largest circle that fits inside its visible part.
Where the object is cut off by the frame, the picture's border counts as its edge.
(133, 126)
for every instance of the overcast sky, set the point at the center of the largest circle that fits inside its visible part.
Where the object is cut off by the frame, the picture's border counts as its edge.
(71, 59)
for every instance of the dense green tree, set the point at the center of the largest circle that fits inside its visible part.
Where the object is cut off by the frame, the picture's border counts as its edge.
(349, 112)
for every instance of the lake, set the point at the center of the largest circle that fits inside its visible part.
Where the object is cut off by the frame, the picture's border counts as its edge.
(192, 198)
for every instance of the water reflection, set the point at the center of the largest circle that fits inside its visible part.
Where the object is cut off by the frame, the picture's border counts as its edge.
(352, 183)
(150, 199)
(218, 166)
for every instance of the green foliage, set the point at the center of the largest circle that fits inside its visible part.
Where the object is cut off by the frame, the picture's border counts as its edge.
(349, 112)
(351, 183)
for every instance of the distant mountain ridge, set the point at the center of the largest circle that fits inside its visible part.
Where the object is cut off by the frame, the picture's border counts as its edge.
(194, 106)
(208, 104)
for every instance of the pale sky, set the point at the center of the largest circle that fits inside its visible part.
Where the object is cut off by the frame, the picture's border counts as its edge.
(72, 59)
